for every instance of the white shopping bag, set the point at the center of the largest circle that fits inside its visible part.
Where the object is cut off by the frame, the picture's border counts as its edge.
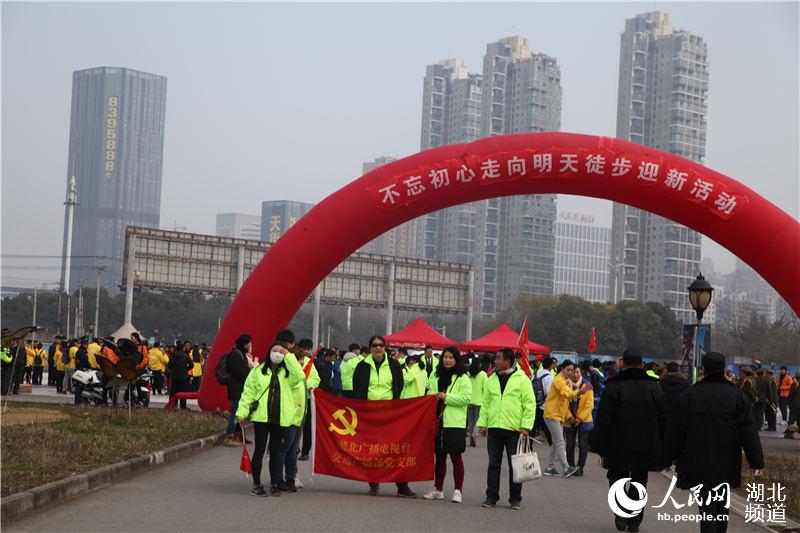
(525, 463)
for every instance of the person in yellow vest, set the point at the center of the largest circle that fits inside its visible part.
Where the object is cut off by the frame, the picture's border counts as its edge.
(415, 379)
(477, 373)
(58, 359)
(304, 347)
(292, 434)
(197, 370)
(69, 366)
(555, 416)
(157, 360)
(39, 358)
(268, 399)
(349, 362)
(451, 384)
(29, 355)
(379, 377)
(578, 422)
(92, 350)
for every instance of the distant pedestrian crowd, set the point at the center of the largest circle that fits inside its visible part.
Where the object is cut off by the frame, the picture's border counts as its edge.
(164, 368)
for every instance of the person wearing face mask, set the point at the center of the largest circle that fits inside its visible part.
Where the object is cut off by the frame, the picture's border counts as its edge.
(268, 399)
(179, 367)
(508, 410)
(379, 377)
(556, 413)
(452, 386)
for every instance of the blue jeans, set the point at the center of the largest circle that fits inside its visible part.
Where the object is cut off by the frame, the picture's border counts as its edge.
(232, 418)
(290, 443)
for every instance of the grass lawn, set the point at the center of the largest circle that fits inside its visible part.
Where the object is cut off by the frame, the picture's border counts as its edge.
(783, 469)
(43, 443)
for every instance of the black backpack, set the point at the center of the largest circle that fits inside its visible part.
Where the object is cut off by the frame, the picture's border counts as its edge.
(65, 356)
(538, 390)
(37, 360)
(221, 372)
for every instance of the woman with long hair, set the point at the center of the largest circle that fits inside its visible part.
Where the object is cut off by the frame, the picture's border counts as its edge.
(268, 400)
(451, 384)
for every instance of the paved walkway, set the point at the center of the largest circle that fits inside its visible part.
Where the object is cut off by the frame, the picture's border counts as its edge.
(207, 492)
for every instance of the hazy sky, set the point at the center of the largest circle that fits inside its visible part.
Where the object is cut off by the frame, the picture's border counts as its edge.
(274, 101)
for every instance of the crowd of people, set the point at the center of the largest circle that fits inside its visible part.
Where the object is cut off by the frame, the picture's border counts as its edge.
(638, 417)
(173, 368)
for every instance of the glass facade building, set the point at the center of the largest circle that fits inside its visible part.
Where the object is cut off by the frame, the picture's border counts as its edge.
(116, 147)
(583, 250)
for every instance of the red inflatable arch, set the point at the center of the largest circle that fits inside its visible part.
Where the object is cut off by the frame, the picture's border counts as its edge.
(749, 226)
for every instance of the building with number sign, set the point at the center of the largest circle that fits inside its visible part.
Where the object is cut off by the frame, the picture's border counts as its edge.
(583, 250)
(510, 242)
(116, 145)
(662, 103)
(277, 216)
(238, 226)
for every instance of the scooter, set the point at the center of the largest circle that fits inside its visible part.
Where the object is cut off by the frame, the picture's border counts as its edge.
(92, 384)
(143, 389)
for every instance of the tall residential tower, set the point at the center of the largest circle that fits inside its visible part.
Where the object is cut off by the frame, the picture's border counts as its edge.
(663, 89)
(509, 242)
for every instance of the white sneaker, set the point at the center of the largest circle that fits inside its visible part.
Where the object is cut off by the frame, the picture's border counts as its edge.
(298, 483)
(434, 495)
(457, 496)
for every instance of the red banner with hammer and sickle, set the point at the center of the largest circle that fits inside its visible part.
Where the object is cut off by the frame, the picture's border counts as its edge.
(374, 440)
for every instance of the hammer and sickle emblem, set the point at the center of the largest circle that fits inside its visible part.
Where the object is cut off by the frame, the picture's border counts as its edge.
(348, 427)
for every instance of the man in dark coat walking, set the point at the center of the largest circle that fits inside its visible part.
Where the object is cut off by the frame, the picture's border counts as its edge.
(673, 383)
(630, 424)
(708, 427)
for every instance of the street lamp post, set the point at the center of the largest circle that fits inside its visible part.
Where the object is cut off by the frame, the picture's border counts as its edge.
(700, 296)
(700, 292)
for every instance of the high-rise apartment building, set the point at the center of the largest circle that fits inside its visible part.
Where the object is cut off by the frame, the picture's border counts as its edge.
(509, 242)
(583, 249)
(277, 216)
(116, 146)
(663, 89)
(239, 226)
(521, 94)
(399, 241)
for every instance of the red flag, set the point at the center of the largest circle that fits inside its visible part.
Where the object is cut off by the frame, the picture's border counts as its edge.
(245, 465)
(374, 440)
(592, 342)
(522, 347)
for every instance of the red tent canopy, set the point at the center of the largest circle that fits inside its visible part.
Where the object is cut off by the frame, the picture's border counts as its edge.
(502, 337)
(418, 334)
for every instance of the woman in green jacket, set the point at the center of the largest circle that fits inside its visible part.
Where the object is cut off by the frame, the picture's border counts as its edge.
(269, 389)
(477, 373)
(415, 379)
(451, 384)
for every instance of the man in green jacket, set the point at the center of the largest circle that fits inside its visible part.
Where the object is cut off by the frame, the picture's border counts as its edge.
(508, 410)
